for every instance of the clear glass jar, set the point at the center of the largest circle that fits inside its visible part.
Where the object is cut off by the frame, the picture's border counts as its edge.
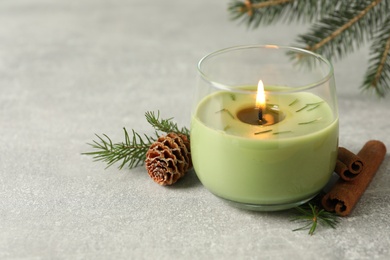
(268, 156)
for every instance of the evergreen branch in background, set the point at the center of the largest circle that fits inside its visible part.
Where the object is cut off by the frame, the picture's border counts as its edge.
(341, 32)
(257, 12)
(340, 28)
(378, 73)
(132, 151)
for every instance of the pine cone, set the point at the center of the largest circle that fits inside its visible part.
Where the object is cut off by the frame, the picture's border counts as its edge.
(169, 158)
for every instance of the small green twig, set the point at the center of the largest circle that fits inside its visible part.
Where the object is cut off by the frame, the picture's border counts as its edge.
(165, 125)
(312, 215)
(132, 151)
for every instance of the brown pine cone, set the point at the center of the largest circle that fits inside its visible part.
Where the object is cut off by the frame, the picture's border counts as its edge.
(169, 158)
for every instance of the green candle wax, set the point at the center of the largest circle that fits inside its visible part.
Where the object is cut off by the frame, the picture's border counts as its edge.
(286, 162)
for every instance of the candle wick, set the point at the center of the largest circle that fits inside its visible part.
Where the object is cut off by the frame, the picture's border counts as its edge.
(260, 116)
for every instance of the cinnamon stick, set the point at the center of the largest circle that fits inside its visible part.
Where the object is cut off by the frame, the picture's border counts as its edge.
(344, 195)
(348, 165)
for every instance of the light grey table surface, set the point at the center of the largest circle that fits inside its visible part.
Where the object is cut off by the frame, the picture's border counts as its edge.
(70, 69)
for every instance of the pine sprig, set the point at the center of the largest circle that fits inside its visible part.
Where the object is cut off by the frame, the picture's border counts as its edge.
(340, 28)
(165, 125)
(312, 215)
(132, 151)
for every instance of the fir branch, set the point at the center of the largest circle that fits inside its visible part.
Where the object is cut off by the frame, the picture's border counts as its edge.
(312, 216)
(165, 125)
(132, 151)
(265, 3)
(341, 32)
(256, 12)
(340, 28)
(377, 76)
(253, 14)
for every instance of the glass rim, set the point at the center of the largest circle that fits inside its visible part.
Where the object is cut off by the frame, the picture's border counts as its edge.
(268, 46)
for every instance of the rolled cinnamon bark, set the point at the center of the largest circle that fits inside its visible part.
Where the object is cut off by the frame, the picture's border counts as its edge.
(344, 195)
(348, 165)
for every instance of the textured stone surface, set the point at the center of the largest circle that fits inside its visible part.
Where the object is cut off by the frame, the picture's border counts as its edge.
(69, 69)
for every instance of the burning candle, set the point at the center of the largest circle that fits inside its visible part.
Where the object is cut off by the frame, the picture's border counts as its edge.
(259, 114)
(264, 149)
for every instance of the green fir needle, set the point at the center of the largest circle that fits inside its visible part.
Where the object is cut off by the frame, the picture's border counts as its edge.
(309, 122)
(263, 132)
(292, 103)
(226, 111)
(299, 110)
(282, 132)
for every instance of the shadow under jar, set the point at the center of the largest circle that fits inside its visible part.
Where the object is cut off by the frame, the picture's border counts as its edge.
(269, 156)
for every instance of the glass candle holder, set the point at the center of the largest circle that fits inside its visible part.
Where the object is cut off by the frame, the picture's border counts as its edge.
(264, 149)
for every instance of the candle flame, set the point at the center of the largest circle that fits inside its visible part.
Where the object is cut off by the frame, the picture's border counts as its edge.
(260, 98)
